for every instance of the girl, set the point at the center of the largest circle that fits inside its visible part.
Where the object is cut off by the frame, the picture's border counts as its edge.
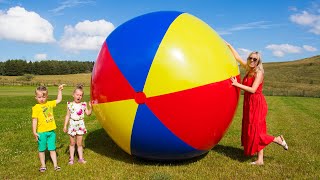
(75, 118)
(254, 137)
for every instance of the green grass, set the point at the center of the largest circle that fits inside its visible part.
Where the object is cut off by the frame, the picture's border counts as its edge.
(297, 118)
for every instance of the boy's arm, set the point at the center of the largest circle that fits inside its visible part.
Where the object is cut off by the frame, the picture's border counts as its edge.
(89, 111)
(34, 128)
(59, 96)
(66, 120)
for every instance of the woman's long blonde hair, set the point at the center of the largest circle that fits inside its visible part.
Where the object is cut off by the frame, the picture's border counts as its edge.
(259, 65)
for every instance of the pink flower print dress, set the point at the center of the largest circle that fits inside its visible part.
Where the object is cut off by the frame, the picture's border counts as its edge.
(76, 122)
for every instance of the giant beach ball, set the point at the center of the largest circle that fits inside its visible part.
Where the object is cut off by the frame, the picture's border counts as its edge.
(161, 86)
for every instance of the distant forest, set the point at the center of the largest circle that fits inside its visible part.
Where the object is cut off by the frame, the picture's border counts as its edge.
(19, 67)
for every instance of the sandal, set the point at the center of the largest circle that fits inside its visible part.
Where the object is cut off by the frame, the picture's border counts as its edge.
(284, 144)
(255, 163)
(71, 161)
(82, 161)
(57, 168)
(42, 169)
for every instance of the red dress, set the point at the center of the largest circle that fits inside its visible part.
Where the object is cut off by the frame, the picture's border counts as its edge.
(254, 135)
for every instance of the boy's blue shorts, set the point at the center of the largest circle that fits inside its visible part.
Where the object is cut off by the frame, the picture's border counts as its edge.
(47, 138)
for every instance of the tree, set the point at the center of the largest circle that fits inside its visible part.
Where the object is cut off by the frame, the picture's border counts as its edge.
(49, 67)
(15, 67)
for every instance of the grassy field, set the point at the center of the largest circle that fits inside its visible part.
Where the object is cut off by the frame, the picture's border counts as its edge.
(297, 118)
(69, 80)
(293, 78)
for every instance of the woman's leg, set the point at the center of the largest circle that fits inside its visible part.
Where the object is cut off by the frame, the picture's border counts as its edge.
(259, 161)
(277, 140)
(280, 140)
(260, 157)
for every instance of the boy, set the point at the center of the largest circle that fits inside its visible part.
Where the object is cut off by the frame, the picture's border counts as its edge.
(43, 125)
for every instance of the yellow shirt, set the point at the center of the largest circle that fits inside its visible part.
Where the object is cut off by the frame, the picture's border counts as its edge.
(44, 114)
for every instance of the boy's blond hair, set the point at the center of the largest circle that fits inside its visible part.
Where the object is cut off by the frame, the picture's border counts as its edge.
(42, 89)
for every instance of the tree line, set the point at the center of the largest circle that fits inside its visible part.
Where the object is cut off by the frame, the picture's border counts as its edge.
(18, 67)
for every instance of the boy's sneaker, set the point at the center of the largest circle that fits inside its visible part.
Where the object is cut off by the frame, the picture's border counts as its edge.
(42, 169)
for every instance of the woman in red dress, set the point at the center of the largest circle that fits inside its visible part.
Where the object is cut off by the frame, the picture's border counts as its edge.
(254, 137)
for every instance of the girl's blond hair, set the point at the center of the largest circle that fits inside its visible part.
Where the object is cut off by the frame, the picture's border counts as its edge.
(78, 87)
(259, 65)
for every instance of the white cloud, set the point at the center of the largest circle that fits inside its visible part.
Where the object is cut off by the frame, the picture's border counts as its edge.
(309, 48)
(278, 53)
(244, 53)
(304, 18)
(223, 32)
(69, 4)
(86, 35)
(293, 8)
(280, 50)
(252, 25)
(39, 57)
(307, 19)
(247, 26)
(26, 26)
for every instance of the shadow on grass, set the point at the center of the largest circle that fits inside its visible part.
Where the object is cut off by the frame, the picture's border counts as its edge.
(231, 152)
(47, 153)
(99, 142)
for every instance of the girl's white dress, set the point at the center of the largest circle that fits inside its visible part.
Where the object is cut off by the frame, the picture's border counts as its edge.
(76, 122)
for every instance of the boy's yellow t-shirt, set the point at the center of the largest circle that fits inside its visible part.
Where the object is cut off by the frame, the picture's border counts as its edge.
(44, 114)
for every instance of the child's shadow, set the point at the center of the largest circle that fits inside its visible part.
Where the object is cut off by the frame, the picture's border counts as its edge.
(231, 152)
(99, 142)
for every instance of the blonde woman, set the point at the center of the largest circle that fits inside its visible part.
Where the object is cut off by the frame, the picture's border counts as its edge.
(254, 137)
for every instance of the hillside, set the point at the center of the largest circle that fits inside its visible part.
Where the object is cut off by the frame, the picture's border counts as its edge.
(69, 80)
(300, 77)
(294, 78)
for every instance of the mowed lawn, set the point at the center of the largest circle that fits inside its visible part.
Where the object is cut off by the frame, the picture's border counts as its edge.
(297, 118)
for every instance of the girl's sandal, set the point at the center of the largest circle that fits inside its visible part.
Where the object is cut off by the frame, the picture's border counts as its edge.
(71, 161)
(284, 144)
(82, 161)
(42, 169)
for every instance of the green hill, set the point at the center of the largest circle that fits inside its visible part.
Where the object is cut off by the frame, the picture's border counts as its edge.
(294, 78)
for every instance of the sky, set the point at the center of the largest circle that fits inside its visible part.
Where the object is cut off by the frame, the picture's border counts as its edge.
(35, 30)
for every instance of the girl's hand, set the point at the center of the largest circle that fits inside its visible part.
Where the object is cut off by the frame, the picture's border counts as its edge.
(234, 81)
(65, 129)
(90, 105)
(36, 136)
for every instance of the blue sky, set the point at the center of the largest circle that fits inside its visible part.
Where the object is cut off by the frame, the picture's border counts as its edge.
(282, 30)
